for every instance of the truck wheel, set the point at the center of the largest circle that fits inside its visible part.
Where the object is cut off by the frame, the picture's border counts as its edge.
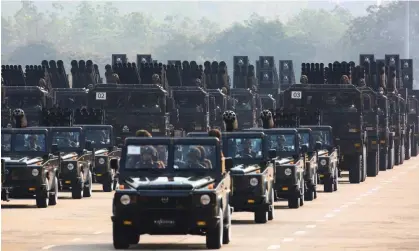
(214, 237)
(372, 164)
(383, 161)
(355, 172)
(42, 197)
(294, 201)
(107, 185)
(120, 240)
(328, 184)
(77, 189)
(261, 216)
(227, 227)
(53, 197)
(87, 186)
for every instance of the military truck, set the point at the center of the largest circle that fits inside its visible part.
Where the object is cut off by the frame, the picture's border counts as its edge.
(71, 98)
(29, 168)
(32, 99)
(172, 192)
(131, 107)
(191, 109)
(341, 107)
(246, 107)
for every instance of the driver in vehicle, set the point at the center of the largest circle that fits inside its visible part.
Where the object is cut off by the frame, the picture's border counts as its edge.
(247, 151)
(148, 159)
(31, 144)
(194, 159)
(282, 143)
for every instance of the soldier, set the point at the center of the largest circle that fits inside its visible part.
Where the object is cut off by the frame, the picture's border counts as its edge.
(224, 90)
(43, 84)
(216, 133)
(362, 82)
(31, 144)
(204, 161)
(198, 82)
(156, 79)
(247, 151)
(149, 159)
(193, 159)
(344, 80)
(143, 133)
(303, 80)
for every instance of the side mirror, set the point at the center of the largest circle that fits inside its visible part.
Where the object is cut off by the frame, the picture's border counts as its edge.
(54, 148)
(114, 164)
(272, 153)
(318, 146)
(228, 162)
(304, 148)
(88, 145)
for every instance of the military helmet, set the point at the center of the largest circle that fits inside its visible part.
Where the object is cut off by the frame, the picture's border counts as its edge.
(142, 133)
(194, 151)
(155, 77)
(215, 133)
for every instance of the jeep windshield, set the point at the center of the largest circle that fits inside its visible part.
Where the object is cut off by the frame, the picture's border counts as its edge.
(98, 136)
(323, 136)
(146, 157)
(30, 142)
(6, 140)
(282, 142)
(194, 157)
(66, 139)
(244, 148)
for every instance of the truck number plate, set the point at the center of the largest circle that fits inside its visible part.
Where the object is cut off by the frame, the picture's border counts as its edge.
(296, 95)
(100, 95)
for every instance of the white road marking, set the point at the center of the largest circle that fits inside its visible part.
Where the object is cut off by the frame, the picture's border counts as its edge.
(288, 239)
(271, 247)
(300, 232)
(76, 239)
(311, 226)
(344, 206)
(336, 210)
(48, 247)
(365, 194)
(98, 232)
(329, 215)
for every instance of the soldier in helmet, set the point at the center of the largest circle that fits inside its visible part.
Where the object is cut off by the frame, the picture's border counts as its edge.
(204, 161)
(148, 159)
(247, 151)
(32, 143)
(143, 133)
(344, 80)
(156, 79)
(193, 159)
(216, 133)
(281, 142)
(303, 80)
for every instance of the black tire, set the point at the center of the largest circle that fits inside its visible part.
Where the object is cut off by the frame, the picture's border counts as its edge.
(355, 172)
(135, 239)
(88, 186)
(53, 197)
(227, 227)
(42, 197)
(372, 163)
(107, 185)
(294, 201)
(328, 184)
(261, 216)
(214, 237)
(120, 238)
(77, 190)
(271, 212)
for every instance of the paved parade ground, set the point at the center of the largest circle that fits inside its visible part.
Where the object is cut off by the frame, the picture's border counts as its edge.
(380, 214)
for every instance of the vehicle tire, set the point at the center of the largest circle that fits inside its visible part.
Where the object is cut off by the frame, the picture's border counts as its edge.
(107, 185)
(261, 216)
(383, 161)
(363, 169)
(372, 164)
(120, 240)
(135, 239)
(88, 186)
(309, 195)
(328, 184)
(294, 201)
(77, 190)
(214, 237)
(227, 227)
(53, 197)
(271, 212)
(355, 172)
(42, 197)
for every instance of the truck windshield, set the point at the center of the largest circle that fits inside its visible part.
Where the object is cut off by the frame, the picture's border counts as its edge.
(194, 156)
(66, 139)
(30, 142)
(146, 157)
(244, 148)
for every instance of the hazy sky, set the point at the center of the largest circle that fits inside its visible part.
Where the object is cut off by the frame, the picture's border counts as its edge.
(224, 13)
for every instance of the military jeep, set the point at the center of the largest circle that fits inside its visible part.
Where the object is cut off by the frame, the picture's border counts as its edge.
(28, 168)
(76, 160)
(327, 154)
(166, 189)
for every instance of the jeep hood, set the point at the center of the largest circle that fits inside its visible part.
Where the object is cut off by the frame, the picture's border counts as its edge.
(169, 183)
(244, 169)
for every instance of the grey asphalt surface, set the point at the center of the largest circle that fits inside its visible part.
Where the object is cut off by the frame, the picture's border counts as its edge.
(380, 214)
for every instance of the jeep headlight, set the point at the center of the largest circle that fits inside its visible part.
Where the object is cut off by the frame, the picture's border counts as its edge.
(101, 161)
(35, 172)
(254, 182)
(323, 162)
(125, 199)
(205, 199)
(288, 171)
(70, 166)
